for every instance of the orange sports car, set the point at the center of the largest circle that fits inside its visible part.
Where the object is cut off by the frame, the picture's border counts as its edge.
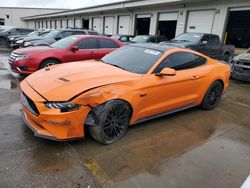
(130, 85)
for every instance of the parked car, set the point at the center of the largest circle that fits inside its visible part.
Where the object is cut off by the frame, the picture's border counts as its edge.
(54, 36)
(123, 38)
(13, 37)
(133, 84)
(148, 39)
(240, 67)
(208, 44)
(18, 42)
(7, 31)
(72, 48)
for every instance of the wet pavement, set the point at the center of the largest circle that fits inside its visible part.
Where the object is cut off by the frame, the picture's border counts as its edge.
(193, 148)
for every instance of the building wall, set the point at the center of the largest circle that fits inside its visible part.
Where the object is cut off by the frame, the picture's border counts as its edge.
(220, 8)
(15, 15)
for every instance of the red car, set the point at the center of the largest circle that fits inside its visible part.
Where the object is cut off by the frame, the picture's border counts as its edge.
(73, 48)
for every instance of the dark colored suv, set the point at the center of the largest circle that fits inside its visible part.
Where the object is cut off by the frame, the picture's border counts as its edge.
(54, 36)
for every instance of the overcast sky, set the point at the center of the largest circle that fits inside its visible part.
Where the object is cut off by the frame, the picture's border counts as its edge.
(54, 3)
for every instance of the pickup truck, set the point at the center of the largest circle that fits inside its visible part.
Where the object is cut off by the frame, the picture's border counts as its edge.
(208, 44)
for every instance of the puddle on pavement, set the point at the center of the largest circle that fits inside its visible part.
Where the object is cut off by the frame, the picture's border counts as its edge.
(8, 84)
(148, 144)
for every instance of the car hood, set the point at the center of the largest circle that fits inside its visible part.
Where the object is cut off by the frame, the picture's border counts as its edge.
(244, 56)
(31, 38)
(47, 41)
(63, 82)
(179, 43)
(34, 50)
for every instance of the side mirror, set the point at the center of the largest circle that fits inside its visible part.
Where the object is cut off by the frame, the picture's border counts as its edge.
(58, 38)
(74, 48)
(204, 42)
(166, 72)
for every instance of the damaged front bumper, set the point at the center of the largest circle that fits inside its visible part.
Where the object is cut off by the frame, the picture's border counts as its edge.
(240, 70)
(51, 123)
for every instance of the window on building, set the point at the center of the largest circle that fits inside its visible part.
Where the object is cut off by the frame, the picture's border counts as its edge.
(7, 16)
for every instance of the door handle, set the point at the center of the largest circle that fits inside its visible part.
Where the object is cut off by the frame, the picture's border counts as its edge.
(195, 77)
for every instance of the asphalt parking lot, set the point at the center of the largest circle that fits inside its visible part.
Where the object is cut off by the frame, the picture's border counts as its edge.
(189, 149)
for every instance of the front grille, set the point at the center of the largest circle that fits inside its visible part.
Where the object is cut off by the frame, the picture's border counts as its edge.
(246, 63)
(29, 104)
(13, 56)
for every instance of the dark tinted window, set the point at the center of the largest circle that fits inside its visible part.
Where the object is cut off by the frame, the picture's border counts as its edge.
(153, 40)
(79, 33)
(133, 59)
(180, 61)
(92, 33)
(205, 39)
(105, 43)
(65, 34)
(215, 40)
(87, 44)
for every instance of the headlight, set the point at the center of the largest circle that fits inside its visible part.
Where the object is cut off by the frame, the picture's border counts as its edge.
(27, 44)
(19, 41)
(21, 57)
(63, 106)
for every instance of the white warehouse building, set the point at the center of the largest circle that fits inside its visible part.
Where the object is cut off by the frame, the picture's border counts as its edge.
(11, 16)
(227, 18)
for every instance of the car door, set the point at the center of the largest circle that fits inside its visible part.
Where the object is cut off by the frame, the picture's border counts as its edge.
(87, 50)
(204, 45)
(166, 93)
(106, 46)
(215, 46)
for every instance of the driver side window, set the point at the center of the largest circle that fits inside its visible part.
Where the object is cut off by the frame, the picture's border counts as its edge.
(65, 34)
(181, 61)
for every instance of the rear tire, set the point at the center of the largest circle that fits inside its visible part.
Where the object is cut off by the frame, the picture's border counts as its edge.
(48, 63)
(111, 121)
(212, 96)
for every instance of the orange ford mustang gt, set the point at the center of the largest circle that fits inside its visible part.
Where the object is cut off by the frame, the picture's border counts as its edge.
(132, 84)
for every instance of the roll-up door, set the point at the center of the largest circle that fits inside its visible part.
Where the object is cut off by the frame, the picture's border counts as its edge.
(123, 25)
(97, 24)
(108, 25)
(200, 21)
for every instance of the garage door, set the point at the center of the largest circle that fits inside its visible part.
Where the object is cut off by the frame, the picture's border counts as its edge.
(78, 23)
(200, 21)
(97, 24)
(168, 16)
(123, 25)
(108, 25)
(71, 23)
(167, 24)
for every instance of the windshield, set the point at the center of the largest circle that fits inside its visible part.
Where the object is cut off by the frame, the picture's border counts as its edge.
(32, 33)
(43, 33)
(63, 43)
(133, 59)
(52, 34)
(188, 37)
(140, 39)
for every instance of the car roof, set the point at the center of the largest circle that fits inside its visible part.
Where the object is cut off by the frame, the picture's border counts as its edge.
(92, 36)
(153, 46)
(196, 33)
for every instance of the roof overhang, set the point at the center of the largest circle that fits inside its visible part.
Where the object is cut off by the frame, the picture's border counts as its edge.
(123, 5)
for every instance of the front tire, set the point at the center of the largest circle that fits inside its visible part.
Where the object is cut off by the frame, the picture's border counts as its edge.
(48, 63)
(212, 96)
(111, 121)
